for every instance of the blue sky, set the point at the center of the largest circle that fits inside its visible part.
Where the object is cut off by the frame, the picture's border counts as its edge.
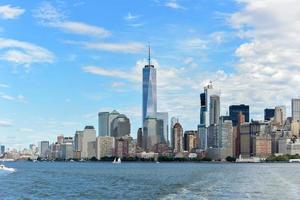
(61, 62)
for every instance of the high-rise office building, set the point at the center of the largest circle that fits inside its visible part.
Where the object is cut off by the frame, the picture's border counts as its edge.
(296, 109)
(149, 91)
(103, 124)
(88, 148)
(43, 149)
(105, 146)
(209, 112)
(120, 126)
(214, 109)
(2, 149)
(105, 120)
(269, 113)
(164, 134)
(280, 114)
(177, 138)
(234, 110)
(150, 134)
(66, 150)
(140, 137)
(190, 140)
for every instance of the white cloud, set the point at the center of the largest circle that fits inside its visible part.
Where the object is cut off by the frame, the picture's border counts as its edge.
(174, 5)
(9, 12)
(6, 97)
(48, 15)
(131, 47)
(4, 85)
(82, 28)
(19, 98)
(195, 44)
(130, 17)
(20, 52)
(4, 123)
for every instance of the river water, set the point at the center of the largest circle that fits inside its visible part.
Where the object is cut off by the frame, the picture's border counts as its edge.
(60, 180)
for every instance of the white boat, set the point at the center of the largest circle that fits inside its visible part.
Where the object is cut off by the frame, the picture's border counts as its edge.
(247, 160)
(117, 161)
(294, 160)
(2, 167)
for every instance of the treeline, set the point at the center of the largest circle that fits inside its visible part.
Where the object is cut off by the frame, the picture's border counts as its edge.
(282, 158)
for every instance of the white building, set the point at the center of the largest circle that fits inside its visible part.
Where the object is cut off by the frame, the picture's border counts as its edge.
(88, 142)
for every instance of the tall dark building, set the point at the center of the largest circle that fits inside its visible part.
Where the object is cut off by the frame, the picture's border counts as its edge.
(234, 110)
(269, 113)
(140, 137)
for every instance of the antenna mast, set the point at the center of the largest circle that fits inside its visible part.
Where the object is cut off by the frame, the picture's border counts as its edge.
(149, 55)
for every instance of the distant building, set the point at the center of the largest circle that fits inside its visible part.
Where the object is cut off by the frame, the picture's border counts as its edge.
(190, 140)
(209, 113)
(140, 138)
(88, 148)
(43, 149)
(289, 146)
(164, 131)
(66, 150)
(214, 109)
(2, 149)
(122, 148)
(177, 138)
(150, 134)
(269, 113)
(78, 144)
(296, 109)
(60, 139)
(280, 115)
(149, 91)
(120, 126)
(234, 110)
(237, 136)
(105, 120)
(105, 146)
(255, 141)
(103, 124)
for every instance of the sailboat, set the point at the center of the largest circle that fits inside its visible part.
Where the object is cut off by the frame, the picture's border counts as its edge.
(117, 161)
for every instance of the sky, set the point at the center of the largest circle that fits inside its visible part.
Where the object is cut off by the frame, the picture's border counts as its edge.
(62, 62)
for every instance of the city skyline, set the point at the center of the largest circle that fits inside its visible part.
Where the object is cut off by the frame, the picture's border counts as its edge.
(56, 83)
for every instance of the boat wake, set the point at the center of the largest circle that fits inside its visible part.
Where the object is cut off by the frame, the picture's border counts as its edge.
(6, 170)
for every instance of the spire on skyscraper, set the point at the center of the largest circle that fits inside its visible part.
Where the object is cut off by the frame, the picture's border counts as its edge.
(149, 55)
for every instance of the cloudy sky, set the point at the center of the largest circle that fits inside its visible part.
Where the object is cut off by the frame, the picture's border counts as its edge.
(61, 62)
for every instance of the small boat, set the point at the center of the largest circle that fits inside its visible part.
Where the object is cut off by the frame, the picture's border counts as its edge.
(117, 161)
(294, 160)
(157, 162)
(2, 167)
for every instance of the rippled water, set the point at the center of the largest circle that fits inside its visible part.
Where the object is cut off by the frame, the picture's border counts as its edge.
(150, 181)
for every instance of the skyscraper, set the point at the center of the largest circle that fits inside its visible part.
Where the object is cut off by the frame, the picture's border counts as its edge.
(43, 149)
(280, 114)
(103, 123)
(234, 110)
(149, 91)
(269, 113)
(165, 129)
(296, 109)
(105, 120)
(150, 134)
(214, 108)
(177, 138)
(120, 126)
(209, 112)
(88, 148)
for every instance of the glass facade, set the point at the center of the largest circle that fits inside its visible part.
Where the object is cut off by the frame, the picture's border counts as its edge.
(149, 92)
